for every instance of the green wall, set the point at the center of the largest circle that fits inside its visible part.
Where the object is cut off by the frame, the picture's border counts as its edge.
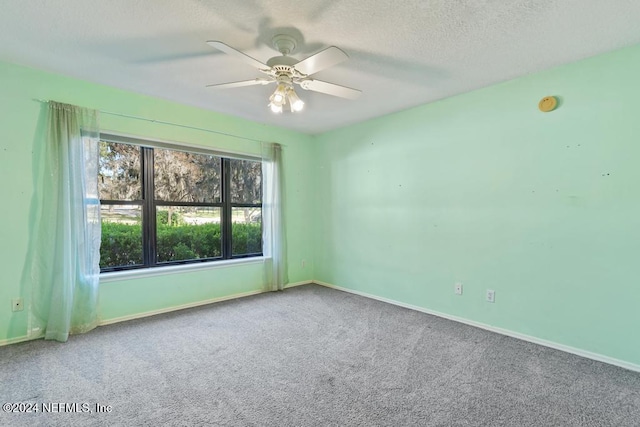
(482, 188)
(20, 147)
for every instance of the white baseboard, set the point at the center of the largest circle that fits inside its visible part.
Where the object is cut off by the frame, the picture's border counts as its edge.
(15, 340)
(177, 307)
(165, 310)
(513, 334)
(304, 282)
(193, 304)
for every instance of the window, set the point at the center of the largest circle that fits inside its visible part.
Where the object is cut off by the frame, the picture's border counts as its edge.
(164, 206)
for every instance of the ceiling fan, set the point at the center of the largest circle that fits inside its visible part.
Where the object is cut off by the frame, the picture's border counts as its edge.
(287, 71)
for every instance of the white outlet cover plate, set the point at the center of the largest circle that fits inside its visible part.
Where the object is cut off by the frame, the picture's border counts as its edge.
(458, 288)
(491, 295)
(17, 304)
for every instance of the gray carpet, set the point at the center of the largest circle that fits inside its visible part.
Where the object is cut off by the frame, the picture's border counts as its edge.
(311, 356)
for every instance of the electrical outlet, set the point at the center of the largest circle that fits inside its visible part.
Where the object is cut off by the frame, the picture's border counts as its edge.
(17, 304)
(457, 288)
(491, 295)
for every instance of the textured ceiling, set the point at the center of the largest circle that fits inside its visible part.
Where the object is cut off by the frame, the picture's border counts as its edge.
(402, 53)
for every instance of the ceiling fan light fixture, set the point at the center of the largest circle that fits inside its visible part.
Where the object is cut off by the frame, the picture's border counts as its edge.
(276, 108)
(278, 98)
(279, 94)
(294, 101)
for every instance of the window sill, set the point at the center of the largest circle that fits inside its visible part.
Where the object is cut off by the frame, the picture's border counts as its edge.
(175, 269)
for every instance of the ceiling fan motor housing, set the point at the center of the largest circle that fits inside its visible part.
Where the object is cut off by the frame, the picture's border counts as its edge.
(284, 76)
(282, 61)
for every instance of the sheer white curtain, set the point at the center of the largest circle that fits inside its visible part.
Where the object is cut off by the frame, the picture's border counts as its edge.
(273, 236)
(65, 271)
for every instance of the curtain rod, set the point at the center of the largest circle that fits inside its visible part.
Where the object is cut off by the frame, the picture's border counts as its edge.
(111, 113)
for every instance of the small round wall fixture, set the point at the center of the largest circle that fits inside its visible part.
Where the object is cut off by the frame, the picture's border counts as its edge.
(548, 103)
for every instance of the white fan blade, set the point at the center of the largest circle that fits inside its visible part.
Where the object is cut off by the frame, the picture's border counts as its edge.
(234, 52)
(242, 83)
(321, 60)
(330, 89)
